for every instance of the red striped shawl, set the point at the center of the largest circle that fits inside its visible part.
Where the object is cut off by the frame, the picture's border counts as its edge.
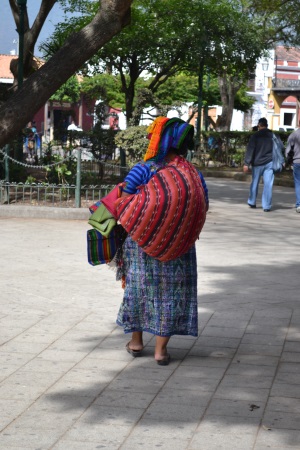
(166, 216)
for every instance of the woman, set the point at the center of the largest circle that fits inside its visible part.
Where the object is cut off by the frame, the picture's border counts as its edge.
(159, 297)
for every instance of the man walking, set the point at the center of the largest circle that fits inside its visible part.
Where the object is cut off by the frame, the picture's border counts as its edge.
(293, 144)
(259, 156)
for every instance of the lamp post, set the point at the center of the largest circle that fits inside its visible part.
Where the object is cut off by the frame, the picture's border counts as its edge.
(203, 47)
(265, 67)
(200, 103)
(206, 106)
(22, 8)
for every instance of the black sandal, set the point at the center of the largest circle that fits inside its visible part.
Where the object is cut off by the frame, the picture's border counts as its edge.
(165, 361)
(133, 353)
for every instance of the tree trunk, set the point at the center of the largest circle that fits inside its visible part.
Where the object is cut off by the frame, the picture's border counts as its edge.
(228, 88)
(30, 37)
(129, 89)
(113, 15)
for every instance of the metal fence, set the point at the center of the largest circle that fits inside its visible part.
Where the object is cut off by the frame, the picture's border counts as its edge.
(42, 194)
(61, 195)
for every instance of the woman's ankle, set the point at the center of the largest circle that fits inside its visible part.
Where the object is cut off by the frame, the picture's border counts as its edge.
(136, 342)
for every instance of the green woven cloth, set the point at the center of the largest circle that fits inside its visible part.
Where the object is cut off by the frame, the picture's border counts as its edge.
(102, 220)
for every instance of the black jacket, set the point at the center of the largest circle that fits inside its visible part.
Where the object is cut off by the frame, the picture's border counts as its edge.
(259, 150)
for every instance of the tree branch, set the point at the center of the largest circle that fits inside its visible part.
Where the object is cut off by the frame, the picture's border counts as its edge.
(112, 16)
(39, 21)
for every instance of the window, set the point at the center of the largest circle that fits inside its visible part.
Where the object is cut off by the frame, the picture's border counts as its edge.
(288, 119)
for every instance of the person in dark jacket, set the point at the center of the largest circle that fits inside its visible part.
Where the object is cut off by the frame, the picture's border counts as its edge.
(259, 156)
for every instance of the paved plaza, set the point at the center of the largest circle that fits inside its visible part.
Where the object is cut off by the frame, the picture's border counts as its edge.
(66, 381)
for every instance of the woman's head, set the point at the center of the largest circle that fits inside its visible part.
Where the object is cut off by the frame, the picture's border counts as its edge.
(168, 135)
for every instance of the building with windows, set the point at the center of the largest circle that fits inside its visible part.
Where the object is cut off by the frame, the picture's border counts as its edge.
(276, 88)
(54, 117)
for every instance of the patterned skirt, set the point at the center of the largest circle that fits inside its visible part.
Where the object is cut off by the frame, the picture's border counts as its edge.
(159, 297)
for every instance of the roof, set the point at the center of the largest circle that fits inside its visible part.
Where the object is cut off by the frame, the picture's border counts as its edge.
(288, 54)
(5, 74)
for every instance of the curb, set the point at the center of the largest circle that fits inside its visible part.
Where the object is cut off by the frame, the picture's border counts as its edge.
(43, 212)
(240, 176)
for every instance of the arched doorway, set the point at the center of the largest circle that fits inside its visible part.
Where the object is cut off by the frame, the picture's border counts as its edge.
(284, 103)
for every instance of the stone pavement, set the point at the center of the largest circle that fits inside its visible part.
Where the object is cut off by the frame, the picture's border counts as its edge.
(67, 383)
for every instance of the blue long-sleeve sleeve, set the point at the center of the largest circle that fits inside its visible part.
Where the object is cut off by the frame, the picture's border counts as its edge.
(205, 188)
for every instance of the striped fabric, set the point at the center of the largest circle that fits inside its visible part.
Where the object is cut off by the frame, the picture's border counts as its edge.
(166, 216)
(101, 250)
(167, 133)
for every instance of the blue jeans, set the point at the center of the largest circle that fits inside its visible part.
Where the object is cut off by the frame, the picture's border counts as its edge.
(296, 172)
(265, 171)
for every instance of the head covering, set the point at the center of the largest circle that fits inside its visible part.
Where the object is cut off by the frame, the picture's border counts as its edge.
(165, 134)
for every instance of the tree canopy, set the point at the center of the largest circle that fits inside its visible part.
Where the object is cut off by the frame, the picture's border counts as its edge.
(165, 38)
(168, 38)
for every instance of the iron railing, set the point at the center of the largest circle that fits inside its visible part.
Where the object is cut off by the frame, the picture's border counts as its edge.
(43, 194)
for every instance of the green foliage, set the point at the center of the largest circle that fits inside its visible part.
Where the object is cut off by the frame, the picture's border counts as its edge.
(105, 87)
(30, 179)
(168, 38)
(17, 173)
(230, 146)
(278, 20)
(68, 92)
(61, 173)
(102, 139)
(133, 141)
(181, 88)
(242, 101)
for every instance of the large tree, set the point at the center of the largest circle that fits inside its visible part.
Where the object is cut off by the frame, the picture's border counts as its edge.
(167, 37)
(278, 20)
(156, 43)
(230, 50)
(251, 27)
(111, 16)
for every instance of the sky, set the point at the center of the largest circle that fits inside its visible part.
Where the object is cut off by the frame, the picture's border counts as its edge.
(8, 32)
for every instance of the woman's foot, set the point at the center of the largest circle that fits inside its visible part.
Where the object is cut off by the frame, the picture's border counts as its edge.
(134, 350)
(164, 361)
(161, 354)
(135, 345)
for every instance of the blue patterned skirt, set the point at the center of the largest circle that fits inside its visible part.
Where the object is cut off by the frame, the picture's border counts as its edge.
(160, 297)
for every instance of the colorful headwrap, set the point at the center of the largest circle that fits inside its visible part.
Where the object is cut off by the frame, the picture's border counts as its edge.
(164, 134)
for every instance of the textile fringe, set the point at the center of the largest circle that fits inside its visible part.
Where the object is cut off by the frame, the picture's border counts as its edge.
(155, 130)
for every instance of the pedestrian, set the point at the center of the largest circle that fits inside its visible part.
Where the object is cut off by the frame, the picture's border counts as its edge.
(293, 148)
(32, 142)
(259, 157)
(159, 297)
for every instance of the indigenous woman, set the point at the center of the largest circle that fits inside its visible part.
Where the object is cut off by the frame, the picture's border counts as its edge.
(159, 297)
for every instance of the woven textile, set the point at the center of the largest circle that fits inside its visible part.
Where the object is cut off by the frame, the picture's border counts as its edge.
(159, 297)
(155, 132)
(110, 199)
(94, 206)
(166, 216)
(102, 220)
(167, 133)
(101, 249)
